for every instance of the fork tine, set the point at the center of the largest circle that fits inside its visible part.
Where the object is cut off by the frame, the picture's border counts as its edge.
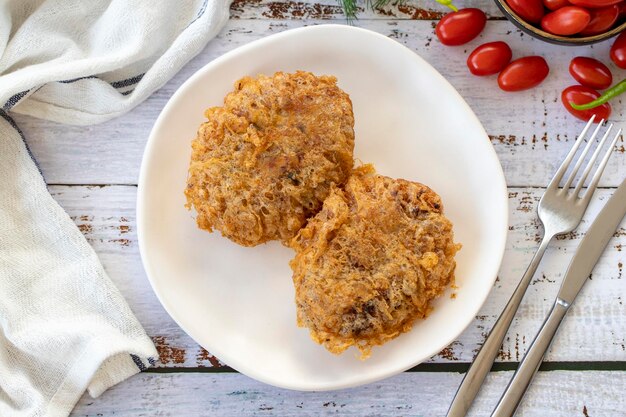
(596, 177)
(592, 161)
(561, 171)
(582, 156)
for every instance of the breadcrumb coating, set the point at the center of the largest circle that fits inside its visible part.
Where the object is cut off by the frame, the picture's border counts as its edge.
(371, 261)
(264, 162)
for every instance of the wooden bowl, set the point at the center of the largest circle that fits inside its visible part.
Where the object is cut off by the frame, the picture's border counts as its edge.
(555, 39)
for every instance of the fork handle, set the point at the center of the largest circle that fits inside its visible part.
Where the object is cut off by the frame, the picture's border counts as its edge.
(530, 363)
(486, 356)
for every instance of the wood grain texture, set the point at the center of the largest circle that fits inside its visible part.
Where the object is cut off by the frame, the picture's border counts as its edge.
(559, 393)
(530, 130)
(594, 330)
(330, 10)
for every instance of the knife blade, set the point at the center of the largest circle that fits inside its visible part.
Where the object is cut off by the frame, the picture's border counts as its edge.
(593, 244)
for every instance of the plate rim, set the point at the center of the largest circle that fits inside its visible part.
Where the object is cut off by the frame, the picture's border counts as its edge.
(141, 197)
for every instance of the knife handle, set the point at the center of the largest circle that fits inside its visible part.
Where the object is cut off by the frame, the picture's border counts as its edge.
(530, 363)
(491, 347)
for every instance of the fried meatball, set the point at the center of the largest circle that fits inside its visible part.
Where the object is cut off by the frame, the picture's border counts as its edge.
(264, 162)
(370, 262)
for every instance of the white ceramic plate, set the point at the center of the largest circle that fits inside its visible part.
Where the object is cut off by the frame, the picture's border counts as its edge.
(238, 302)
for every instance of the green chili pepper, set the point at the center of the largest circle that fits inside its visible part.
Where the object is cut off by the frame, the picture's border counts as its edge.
(609, 94)
(449, 4)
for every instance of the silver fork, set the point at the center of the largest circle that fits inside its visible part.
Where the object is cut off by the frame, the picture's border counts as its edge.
(560, 212)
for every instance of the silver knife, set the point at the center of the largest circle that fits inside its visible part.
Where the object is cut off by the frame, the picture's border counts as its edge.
(586, 257)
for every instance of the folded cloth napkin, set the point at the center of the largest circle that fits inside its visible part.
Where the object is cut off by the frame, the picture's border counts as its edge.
(64, 327)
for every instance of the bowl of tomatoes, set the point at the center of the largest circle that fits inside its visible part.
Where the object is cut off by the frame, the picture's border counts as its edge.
(567, 22)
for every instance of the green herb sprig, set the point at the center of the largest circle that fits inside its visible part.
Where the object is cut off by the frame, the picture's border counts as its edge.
(350, 7)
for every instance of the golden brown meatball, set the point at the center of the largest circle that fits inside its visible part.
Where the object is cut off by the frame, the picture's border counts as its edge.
(264, 162)
(369, 263)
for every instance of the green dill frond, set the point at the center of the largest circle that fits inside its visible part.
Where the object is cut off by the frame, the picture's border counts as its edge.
(350, 7)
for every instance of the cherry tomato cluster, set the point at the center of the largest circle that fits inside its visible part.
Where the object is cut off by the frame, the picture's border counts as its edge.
(461, 26)
(570, 17)
(592, 75)
(582, 100)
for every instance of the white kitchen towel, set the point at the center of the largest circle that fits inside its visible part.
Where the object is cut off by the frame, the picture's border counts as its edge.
(64, 327)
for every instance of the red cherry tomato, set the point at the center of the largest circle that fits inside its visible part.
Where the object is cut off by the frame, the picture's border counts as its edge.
(579, 94)
(566, 21)
(591, 73)
(618, 51)
(460, 27)
(523, 73)
(530, 10)
(594, 4)
(601, 20)
(489, 58)
(556, 4)
(622, 10)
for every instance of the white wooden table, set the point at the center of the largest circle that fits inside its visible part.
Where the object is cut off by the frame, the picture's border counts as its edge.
(92, 172)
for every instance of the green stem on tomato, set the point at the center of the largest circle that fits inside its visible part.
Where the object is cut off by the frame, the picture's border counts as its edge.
(449, 4)
(609, 94)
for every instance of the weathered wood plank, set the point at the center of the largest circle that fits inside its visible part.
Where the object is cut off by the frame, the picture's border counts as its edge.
(557, 393)
(593, 331)
(530, 130)
(330, 10)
